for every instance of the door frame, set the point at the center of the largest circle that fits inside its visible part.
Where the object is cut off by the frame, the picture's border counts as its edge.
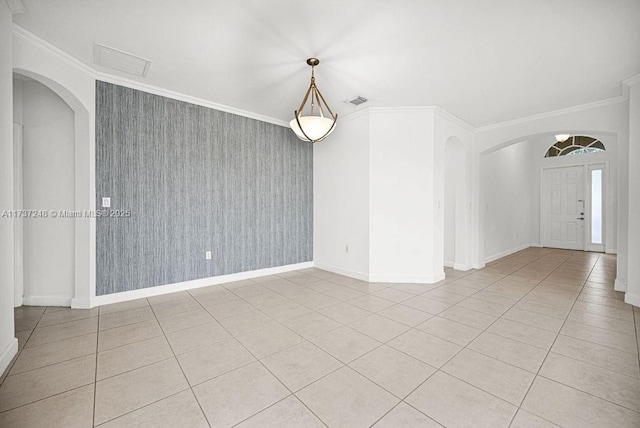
(589, 246)
(588, 167)
(18, 226)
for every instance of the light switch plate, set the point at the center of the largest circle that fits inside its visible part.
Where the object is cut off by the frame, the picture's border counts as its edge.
(106, 202)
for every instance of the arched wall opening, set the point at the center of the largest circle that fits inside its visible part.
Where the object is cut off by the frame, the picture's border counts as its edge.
(510, 181)
(51, 168)
(456, 211)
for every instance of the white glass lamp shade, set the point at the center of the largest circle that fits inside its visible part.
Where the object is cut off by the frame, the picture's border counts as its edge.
(316, 127)
(562, 137)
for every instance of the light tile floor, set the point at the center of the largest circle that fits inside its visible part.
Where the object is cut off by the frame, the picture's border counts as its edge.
(535, 339)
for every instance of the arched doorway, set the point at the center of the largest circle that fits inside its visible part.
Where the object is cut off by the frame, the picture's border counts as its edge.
(71, 170)
(44, 165)
(456, 206)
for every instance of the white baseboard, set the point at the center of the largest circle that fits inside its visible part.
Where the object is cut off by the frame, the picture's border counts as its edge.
(46, 301)
(81, 303)
(632, 299)
(611, 251)
(189, 285)
(620, 286)
(508, 252)
(362, 276)
(479, 265)
(448, 264)
(462, 266)
(407, 279)
(7, 354)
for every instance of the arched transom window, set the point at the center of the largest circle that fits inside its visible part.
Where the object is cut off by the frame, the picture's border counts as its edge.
(575, 145)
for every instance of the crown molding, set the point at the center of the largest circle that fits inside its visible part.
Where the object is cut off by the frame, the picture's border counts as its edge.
(29, 37)
(354, 115)
(402, 109)
(16, 6)
(628, 83)
(568, 110)
(155, 90)
(455, 119)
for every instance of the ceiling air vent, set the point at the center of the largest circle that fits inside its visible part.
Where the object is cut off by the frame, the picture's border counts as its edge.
(119, 60)
(357, 101)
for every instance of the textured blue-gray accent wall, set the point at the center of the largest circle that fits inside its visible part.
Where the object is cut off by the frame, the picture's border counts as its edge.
(195, 180)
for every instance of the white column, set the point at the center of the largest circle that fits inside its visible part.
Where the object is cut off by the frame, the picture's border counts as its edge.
(632, 295)
(8, 343)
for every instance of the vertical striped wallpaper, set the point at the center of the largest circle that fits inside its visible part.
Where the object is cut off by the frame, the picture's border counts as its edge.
(195, 180)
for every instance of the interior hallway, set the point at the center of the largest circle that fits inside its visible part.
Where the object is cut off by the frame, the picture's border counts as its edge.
(536, 337)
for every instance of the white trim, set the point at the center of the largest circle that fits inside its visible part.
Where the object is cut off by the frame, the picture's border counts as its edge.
(574, 109)
(619, 285)
(631, 81)
(8, 353)
(104, 77)
(354, 115)
(462, 266)
(507, 253)
(47, 301)
(421, 279)
(407, 279)
(479, 265)
(28, 36)
(632, 299)
(18, 223)
(453, 118)
(196, 283)
(81, 303)
(342, 271)
(16, 6)
(448, 264)
(611, 251)
(402, 109)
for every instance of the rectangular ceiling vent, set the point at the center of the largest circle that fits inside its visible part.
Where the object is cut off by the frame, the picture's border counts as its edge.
(358, 100)
(119, 60)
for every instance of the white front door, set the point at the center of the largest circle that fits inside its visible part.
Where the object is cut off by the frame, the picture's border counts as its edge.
(562, 207)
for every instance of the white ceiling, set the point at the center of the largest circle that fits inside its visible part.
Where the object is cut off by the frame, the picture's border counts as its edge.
(486, 61)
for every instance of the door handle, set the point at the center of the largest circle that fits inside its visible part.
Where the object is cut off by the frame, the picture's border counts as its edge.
(579, 218)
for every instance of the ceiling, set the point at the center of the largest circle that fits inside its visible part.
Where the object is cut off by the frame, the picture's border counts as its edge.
(484, 61)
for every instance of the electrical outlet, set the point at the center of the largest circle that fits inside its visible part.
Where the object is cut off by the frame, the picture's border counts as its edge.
(207, 255)
(106, 202)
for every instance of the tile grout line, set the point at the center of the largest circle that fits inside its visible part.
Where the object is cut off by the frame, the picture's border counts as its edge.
(340, 301)
(549, 350)
(175, 357)
(438, 369)
(292, 393)
(95, 378)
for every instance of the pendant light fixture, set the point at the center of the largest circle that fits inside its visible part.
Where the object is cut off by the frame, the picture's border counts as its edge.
(320, 120)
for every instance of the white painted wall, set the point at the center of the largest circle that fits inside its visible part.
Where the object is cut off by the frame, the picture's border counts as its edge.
(607, 119)
(48, 174)
(74, 82)
(450, 160)
(453, 187)
(402, 210)
(507, 200)
(8, 342)
(341, 198)
(632, 295)
(378, 188)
